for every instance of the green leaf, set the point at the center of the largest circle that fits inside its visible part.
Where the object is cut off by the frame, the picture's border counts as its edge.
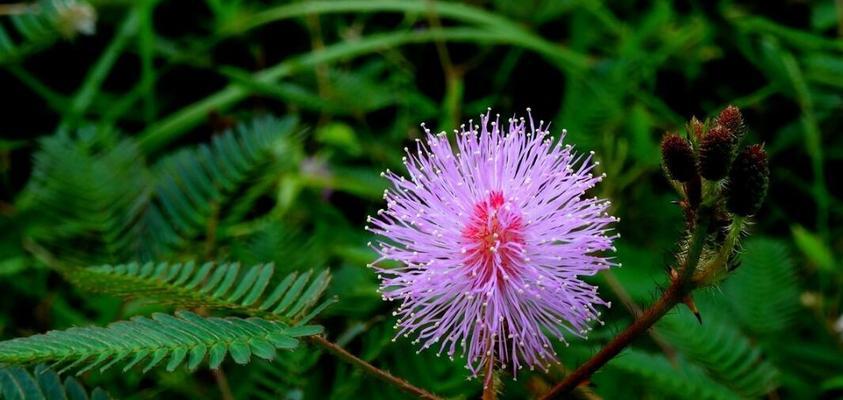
(722, 349)
(34, 31)
(813, 248)
(239, 352)
(18, 384)
(153, 340)
(678, 378)
(192, 183)
(293, 300)
(341, 136)
(764, 290)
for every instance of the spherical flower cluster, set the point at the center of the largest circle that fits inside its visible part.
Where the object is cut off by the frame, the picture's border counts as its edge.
(492, 235)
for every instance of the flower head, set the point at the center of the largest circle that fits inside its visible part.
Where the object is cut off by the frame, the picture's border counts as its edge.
(492, 235)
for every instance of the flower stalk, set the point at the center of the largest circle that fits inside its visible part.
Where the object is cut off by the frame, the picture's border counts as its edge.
(680, 287)
(370, 369)
(715, 215)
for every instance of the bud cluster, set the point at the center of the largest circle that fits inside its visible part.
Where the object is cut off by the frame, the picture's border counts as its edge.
(722, 185)
(709, 151)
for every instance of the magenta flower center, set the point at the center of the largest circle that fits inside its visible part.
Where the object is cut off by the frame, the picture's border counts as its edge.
(493, 241)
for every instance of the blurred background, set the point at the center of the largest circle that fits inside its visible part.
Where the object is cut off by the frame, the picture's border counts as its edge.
(110, 111)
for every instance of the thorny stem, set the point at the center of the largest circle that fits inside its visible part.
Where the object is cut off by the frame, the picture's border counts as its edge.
(636, 311)
(371, 369)
(674, 294)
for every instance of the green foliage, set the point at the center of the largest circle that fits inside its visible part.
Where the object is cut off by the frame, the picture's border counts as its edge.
(220, 286)
(286, 377)
(813, 248)
(18, 384)
(288, 247)
(41, 23)
(183, 338)
(82, 186)
(764, 291)
(192, 186)
(724, 351)
(93, 189)
(676, 378)
(144, 144)
(763, 298)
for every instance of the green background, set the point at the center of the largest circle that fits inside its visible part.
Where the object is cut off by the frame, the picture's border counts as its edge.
(92, 123)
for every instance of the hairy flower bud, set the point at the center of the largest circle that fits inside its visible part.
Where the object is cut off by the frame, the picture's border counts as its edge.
(731, 119)
(697, 128)
(716, 151)
(678, 157)
(748, 181)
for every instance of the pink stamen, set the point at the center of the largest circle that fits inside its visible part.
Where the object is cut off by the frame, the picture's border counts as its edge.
(494, 239)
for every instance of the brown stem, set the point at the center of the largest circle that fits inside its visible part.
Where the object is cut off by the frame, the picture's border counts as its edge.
(636, 312)
(680, 286)
(371, 369)
(669, 298)
(222, 384)
(489, 389)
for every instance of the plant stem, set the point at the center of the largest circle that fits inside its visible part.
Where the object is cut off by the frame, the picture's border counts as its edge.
(489, 390)
(491, 29)
(371, 369)
(97, 74)
(178, 123)
(669, 298)
(222, 384)
(674, 294)
(636, 312)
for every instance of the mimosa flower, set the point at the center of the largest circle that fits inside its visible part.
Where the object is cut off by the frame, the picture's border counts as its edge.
(492, 235)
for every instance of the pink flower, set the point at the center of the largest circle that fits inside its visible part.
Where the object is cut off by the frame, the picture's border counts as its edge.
(492, 237)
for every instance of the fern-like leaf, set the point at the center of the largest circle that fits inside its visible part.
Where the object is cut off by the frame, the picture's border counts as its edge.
(682, 380)
(284, 378)
(250, 291)
(185, 337)
(285, 245)
(18, 384)
(192, 184)
(94, 194)
(724, 351)
(764, 291)
(82, 185)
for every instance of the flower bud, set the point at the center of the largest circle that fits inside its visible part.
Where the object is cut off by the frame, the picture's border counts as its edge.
(731, 119)
(716, 151)
(697, 128)
(678, 157)
(748, 181)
